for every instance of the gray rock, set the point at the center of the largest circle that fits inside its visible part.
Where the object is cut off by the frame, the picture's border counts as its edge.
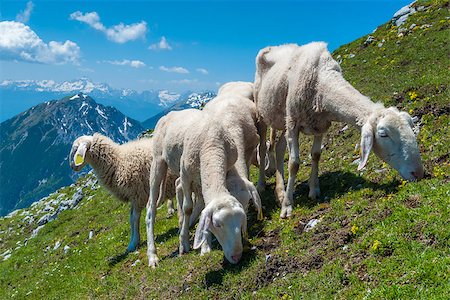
(35, 231)
(370, 39)
(46, 218)
(76, 198)
(48, 208)
(57, 245)
(402, 15)
(311, 224)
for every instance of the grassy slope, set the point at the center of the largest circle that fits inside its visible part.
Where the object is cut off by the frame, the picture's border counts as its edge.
(379, 237)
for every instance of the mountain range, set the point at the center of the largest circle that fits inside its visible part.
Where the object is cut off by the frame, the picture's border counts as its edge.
(19, 95)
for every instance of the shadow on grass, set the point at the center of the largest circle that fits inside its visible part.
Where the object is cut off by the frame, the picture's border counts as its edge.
(114, 260)
(336, 184)
(161, 238)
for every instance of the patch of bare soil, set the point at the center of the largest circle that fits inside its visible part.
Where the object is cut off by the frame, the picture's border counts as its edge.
(413, 201)
(433, 109)
(269, 241)
(279, 266)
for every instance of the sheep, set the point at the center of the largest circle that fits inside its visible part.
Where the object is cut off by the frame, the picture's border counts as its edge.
(198, 149)
(124, 170)
(301, 88)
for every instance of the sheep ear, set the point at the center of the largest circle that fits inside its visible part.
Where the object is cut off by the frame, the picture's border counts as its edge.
(78, 158)
(244, 229)
(366, 144)
(408, 118)
(202, 227)
(256, 201)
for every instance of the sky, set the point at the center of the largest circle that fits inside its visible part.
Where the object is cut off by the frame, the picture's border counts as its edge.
(175, 45)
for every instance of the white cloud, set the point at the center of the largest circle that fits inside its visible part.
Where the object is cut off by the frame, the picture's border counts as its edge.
(120, 33)
(202, 70)
(24, 16)
(184, 81)
(163, 44)
(126, 62)
(19, 42)
(179, 70)
(89, 70)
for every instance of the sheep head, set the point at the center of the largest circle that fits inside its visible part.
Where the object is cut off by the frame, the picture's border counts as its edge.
(225, 218)
(390, 133)
(77, 156)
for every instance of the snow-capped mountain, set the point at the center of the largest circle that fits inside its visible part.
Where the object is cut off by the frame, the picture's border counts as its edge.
(189, 100)
(19, 95)
(34, 145)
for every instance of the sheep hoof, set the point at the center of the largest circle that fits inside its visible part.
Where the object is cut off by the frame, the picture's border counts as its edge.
(184, 248)
(314, 193)
(205, 249)
(132, 247)
(269, 172)
(260, 187)
(153, 260)
(170, 212)
(286, 212)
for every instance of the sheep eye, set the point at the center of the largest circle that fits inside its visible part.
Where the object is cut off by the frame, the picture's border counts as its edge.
(216, 224)
(382, 133)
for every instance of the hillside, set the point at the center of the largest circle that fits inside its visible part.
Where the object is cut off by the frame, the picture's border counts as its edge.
(378, 237)
(35, 144)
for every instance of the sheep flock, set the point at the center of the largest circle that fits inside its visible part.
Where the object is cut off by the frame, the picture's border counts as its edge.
(202, 157)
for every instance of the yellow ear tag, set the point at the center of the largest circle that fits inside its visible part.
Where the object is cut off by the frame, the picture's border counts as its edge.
(79, 159)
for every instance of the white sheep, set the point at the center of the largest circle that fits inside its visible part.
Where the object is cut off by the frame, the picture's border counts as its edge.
(301, 88)
(123, 169)
(199, 150)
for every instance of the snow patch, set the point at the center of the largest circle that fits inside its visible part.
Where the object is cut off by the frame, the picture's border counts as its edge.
(101, 113)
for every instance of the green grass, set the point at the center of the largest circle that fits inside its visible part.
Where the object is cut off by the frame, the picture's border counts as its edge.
(379, 237)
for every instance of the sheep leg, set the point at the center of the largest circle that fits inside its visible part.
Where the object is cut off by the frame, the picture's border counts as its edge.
(187, 211)
(280, 192)
(270, 167)
(262, 129)
(199, 205)
(314, 189)
(135, 216)
(179, 195)
(158, 172)
(294, 164)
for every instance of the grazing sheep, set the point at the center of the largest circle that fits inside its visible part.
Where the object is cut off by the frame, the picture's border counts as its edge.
(123, 169)
(196, 147)
(301, 88)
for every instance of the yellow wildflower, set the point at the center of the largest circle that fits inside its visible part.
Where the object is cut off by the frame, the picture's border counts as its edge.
(402, 184)
(376, 244)
(354, 229)
(412, 95)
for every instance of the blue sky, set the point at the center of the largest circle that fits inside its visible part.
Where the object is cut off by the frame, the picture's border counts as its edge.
(180, 45)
